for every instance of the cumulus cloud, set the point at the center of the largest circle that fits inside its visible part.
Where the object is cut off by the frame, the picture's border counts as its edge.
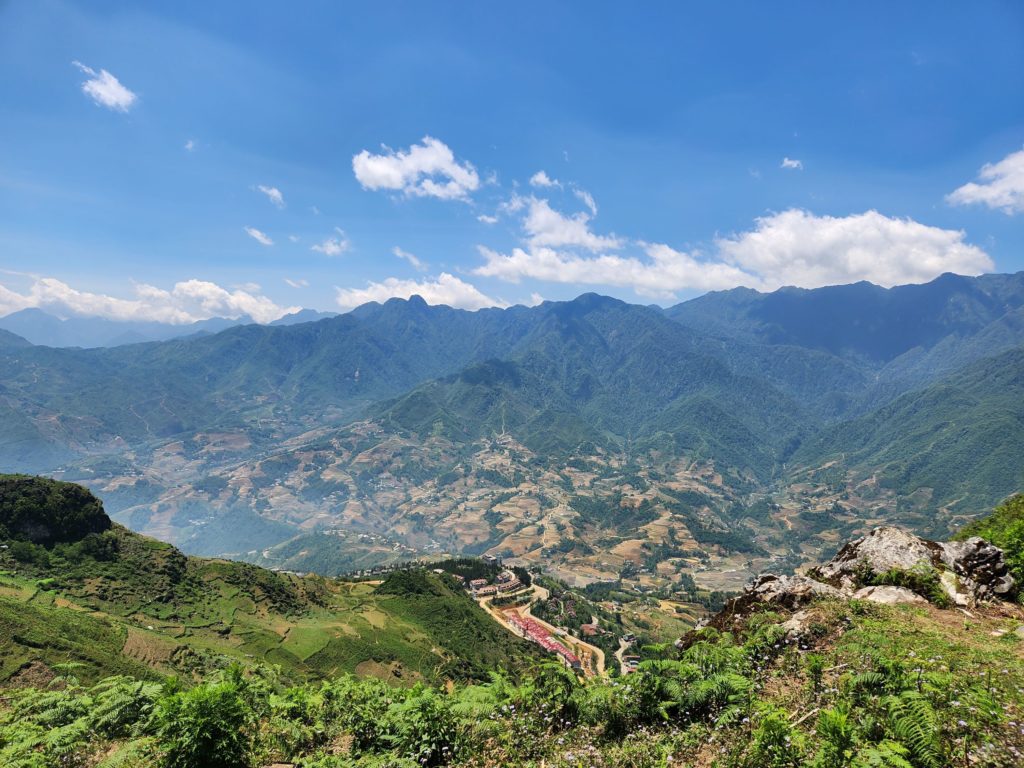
(273, 194)
(427, 169)
(445, 289)
(544, 226)
(485, 219)
(541, 179)
(409, 257)
(1001, 186)
(105, 89)
(790, 164)
(659, 273)
(258, 236)
(796, 247)
(190, 145)
(333, 246)
(187, 302)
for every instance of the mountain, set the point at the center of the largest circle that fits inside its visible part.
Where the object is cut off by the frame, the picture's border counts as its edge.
(77, 588)
(958, 441)
(8, 339)
(905, 336)
(303, 316)
(43, 328)
(598, 437)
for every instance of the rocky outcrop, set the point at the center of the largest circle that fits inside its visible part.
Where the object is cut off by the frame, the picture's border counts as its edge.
(788, 591)
(883, 549)
(980, 566)
(968, 571)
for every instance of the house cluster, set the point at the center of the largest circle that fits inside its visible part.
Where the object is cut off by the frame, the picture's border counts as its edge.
(505, 582)
(533, 630)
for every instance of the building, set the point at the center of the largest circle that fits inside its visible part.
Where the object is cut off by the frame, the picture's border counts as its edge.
(477, 583)
(490, 589)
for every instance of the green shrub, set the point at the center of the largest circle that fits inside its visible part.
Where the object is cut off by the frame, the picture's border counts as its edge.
(205, 727)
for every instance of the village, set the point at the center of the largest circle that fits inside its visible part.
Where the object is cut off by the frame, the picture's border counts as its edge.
(509, 601)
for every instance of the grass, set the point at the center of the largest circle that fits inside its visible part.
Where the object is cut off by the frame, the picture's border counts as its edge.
(211, 612)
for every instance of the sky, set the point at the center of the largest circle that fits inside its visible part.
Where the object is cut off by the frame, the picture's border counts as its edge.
(177, 161)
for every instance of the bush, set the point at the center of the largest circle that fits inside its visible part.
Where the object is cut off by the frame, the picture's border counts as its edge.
(205, 727)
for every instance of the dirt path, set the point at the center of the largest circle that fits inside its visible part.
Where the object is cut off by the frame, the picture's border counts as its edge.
(623, 645)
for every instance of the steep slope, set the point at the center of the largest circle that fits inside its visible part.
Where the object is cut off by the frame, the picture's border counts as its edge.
(267, 382)
(959, 440)
(601, 371)
(69, 576)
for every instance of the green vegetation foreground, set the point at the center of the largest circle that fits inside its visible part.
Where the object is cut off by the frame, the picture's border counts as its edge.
(860, 684)
(870, 685)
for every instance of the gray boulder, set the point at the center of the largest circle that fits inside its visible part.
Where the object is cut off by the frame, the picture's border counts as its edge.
(883, 549)
(981, 567)
(887, 595)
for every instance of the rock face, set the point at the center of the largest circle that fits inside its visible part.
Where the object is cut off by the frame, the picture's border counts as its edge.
(981, 564)
(882, 550)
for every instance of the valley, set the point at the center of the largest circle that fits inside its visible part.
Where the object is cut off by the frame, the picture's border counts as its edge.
(681, 450)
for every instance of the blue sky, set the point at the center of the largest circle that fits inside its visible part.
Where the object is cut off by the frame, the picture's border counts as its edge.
(179, 160)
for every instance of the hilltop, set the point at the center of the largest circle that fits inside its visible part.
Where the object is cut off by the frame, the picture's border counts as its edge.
(76, 588)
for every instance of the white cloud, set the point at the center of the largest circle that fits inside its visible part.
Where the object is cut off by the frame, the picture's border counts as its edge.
(541, 179)
(190, 145)
(187, 302)
(1001, 187)
(659, 274)
(545, 226)
(273, 194)
(796, 247)
(587, 198)
(298, 283)
(258, 236)
(484, 218)
(790, 164)
(294, 238)
(105, 89)
(333, 246)
(427, 169)
(445, 289)
(409, 257)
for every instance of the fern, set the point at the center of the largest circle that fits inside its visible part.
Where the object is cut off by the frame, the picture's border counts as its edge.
(914, 723)
(886, 754)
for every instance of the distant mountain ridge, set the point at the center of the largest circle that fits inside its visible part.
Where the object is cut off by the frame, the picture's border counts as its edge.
(43, 328)
(806, 398)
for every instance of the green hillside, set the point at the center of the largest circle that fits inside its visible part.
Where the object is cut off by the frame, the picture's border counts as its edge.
(855, 685)
(961, 438)
(111, 601)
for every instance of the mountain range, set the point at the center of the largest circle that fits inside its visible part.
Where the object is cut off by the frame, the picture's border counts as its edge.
(40, 327)
(729, 431)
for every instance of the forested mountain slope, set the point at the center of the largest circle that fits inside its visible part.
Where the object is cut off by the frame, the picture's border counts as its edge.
(781, 418)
